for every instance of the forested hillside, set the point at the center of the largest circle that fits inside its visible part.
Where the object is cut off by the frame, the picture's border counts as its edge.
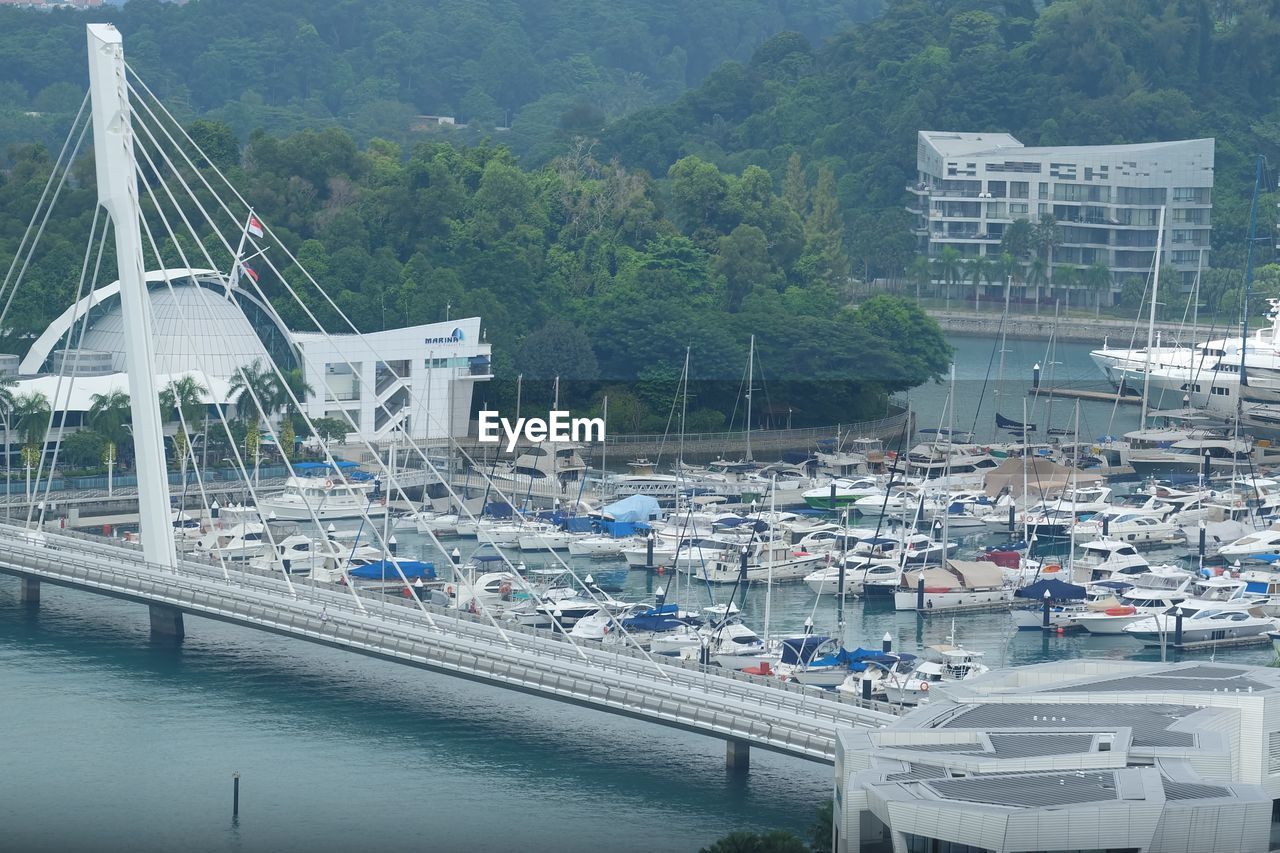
(1078, 72)
(546, 68)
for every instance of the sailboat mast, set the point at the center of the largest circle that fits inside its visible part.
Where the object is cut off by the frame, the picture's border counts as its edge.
(751, 368)
(684, 410)
(604, 448)
(1151, 324)
(1248, 278)
(768, 592)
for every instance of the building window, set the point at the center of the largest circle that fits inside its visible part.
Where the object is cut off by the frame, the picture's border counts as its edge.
(1015, 208)
(1195, 195)
(1044, 190)
(1019, 189)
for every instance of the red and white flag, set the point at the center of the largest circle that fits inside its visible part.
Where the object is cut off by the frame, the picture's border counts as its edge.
(255, 228)
(249, 271)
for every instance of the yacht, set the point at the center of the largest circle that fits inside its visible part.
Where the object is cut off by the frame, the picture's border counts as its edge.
(550, 470)
(325, 499)
(842, 492)
(1207, 625)
(242, 541)
(1105, 559)
(943, 663)
(1153, 592)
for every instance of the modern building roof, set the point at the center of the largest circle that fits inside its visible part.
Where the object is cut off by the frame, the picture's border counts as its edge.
(1074, 755)
(957, 144)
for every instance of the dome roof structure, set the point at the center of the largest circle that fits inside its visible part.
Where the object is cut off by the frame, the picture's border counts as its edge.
(196, 327)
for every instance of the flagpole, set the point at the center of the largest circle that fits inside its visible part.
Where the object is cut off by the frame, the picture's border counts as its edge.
(235, 265)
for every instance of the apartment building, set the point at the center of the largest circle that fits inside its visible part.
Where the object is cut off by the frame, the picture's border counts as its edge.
(970, 187)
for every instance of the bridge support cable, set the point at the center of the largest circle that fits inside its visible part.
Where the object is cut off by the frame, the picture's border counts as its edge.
(307, 310)
(61, 167)
(57, 404)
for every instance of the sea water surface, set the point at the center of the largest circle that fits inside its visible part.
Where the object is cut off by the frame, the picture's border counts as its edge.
(115, 741)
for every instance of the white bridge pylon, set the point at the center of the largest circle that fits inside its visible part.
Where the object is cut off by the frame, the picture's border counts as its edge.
(118, 195)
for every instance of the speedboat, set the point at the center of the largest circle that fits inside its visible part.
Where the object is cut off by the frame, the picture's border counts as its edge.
(945, 663)
(595, 546)
(1253, 546)
(543, 537)
(1203, 626)
(842, 492)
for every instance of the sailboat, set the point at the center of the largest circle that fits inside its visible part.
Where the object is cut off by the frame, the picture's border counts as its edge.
(1008, 424)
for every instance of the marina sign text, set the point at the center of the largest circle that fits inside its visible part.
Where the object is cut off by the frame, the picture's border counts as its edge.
(558, 427)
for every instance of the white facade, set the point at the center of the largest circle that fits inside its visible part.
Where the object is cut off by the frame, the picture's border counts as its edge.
(1106, 198)
(418, 378)
(1071, 755)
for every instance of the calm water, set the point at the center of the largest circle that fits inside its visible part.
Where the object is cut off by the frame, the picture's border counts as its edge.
(115, 742)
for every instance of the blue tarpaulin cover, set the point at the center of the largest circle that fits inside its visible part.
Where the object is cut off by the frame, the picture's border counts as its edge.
(634, 508)
(411, 568)
(1056, 589)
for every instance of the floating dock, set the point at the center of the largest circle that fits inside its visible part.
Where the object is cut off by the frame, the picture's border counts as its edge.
(1084, 394)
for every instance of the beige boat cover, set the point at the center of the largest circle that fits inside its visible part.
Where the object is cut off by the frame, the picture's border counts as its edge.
(959, 574)
(933, 579)
(977, 573)
(1043, 476)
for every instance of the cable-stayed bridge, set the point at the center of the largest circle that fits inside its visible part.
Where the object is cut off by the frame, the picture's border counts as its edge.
(744, 710)
(165, 200)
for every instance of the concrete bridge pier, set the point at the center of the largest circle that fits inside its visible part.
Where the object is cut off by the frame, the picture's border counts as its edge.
(737, 756)
(166, 621)
(29, 592)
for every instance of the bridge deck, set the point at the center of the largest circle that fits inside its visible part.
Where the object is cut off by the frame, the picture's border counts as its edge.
(763, 712)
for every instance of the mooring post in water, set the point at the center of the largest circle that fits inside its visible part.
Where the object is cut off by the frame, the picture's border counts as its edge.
(648, 551)
(1177, 628)
(1202, 543)
(235, 794)
(920, 591)
(886, 643)
(1046, 609)
(1035, 376)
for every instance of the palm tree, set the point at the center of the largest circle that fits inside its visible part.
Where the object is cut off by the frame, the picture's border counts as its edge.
(7, 384)
(980, 269)
(293, 388)
(948, 263)
(921, 273)
(1035, 277)
(254, 388)
(109, 416)
(1096, 278)
(1068, 278)
(1044, 235)
(183, 398)
(31, 412)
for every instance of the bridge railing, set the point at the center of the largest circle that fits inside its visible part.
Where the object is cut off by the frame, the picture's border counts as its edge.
(406, 613)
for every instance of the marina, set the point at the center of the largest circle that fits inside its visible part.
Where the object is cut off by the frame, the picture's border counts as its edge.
(979, 616)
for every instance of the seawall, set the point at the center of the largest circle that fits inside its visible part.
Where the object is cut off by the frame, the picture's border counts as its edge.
(1089, 330)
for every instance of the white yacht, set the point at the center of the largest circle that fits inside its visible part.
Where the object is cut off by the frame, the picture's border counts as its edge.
(1153, 592)
(242, 541)
(325, 499)
(944, 663)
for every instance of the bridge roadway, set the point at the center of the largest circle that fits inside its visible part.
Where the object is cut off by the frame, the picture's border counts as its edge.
(743, 710)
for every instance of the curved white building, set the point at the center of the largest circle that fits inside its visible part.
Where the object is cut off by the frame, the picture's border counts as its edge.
(205, 328)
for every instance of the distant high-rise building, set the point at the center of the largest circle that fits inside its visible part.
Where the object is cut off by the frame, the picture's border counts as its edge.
(971, 187)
